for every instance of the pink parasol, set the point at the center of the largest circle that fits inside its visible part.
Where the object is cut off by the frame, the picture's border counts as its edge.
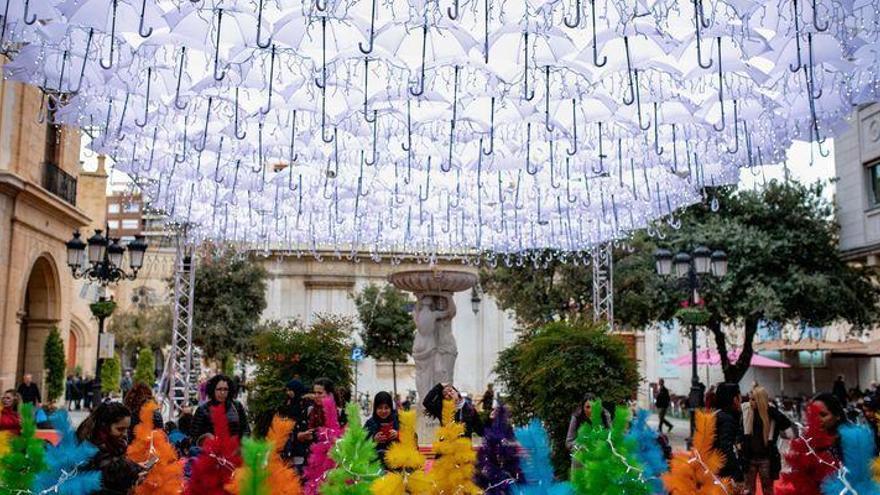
(709, 358)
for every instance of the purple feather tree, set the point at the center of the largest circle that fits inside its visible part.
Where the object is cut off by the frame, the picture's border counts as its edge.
(498, 459)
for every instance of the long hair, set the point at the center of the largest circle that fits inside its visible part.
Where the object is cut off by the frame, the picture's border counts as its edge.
(760, 404)
(834, 406)
(97, 425)
(579, 412)
(380, 399)
(211, 387)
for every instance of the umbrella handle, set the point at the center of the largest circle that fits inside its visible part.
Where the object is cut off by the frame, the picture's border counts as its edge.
(177, 104)
(453, 11)
(553, 183)
(291, 156)
(601, 155)
(369, 49)
(424, 197)
(720, 90)
(657, 148)
(271, 82)
(82, 69)
(526, 95)
(217, 178)
(27, 21)
(568, 196)
(236, 133)
(201, 147)
(217, 48)
(375, 123)
(529, 169)
(109, 63)
(632, 94)
(491, 131)
(571, 151)
(735, 148)
(816, 20)
(141, 32)
(577, 16)
(595, 46)
(119, 135)
(797, 38)
(268, 42)
(147, 100)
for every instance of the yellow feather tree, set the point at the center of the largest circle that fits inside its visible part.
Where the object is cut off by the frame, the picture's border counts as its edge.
(166, 476)
(453, 471)
(405, 463)
(695, 472)
(282, 479)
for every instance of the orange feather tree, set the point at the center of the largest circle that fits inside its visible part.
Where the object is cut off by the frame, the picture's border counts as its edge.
(166, 476)
(282, 479)
(695, 472)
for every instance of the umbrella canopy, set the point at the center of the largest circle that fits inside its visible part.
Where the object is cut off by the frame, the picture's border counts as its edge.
(710, 358)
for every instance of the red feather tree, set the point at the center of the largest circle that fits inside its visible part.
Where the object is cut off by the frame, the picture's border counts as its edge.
(809, 458)
(219, 458)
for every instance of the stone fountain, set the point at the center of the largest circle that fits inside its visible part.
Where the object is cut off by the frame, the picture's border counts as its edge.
(434, 349)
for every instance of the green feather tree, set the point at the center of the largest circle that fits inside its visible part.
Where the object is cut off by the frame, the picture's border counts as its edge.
(357, 463)
(255, 458)
(609, 466)
(26, 456)
(145, 371)
(54, 363)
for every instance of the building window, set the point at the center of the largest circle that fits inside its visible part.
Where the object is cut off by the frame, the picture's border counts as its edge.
(113, 208)
(130, 224)
(874, 181)
(113, 224)
(812, 359)
(132, 208)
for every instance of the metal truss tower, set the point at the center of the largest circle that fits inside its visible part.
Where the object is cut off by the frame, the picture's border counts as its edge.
(179, 372)
(603, 283)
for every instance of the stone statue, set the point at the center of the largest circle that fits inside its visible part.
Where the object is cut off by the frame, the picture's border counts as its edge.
(434, 349)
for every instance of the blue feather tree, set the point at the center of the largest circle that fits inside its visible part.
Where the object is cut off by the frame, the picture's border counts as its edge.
(857, 444)
(535, 464)
(64, 474)
(648, 453)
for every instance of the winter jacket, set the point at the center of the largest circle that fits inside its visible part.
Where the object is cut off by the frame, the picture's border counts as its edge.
(235, 412)
(728, 440)
(466, 413)
(118, 474)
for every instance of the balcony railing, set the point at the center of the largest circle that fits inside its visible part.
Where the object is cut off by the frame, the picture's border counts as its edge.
(59, 183)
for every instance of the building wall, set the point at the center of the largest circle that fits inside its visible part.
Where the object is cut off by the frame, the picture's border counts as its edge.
(858, 217)
(37, 290)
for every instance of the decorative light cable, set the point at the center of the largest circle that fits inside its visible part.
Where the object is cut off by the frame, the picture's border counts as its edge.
(840, 471)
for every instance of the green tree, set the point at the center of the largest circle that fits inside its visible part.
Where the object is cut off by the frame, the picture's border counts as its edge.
(547, 372)
(143, 327)
(387, 326)
(783, 266)
(296, 350)
(54, 363)
(229, 297)
(111, 375)
(145, 371)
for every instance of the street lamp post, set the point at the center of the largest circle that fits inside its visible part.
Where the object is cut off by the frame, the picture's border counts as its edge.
(691, 267)
(99, 259)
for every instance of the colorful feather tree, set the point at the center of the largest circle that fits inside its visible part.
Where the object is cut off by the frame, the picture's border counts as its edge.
(648, 451)
(319, 459)
(252, 478)
(498, 457)
(166, 475)
(283, 479)
(453, 471)
(357, 463)
(26, 457)
(64, 460)
(217, 461)
(695, 472)
(809, 459)
(4, 442)
(536, 468)
(608, 465)
(857, 444)
(405, 475)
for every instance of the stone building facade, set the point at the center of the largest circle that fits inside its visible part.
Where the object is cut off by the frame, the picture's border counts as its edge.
(44, 197)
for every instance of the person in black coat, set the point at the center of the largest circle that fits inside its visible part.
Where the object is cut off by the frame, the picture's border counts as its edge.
(839, 391)
(107, 429)
(295, 408)
(662, 402)
(383, 427)
(29, 391)
(221, 393)
(729, 430)
(465, 411)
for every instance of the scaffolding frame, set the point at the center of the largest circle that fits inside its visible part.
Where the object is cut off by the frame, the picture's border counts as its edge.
(179, 377)
(603, 283)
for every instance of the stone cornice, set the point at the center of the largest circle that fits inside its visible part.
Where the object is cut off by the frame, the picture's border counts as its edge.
(42, 199)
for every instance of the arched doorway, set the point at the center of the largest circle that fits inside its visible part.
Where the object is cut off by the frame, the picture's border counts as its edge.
(39, 312)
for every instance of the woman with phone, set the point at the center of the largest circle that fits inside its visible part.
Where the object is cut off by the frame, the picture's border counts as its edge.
(383, 426)
(107, 429)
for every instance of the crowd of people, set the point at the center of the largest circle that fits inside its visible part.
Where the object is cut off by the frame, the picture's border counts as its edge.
(749, 426)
